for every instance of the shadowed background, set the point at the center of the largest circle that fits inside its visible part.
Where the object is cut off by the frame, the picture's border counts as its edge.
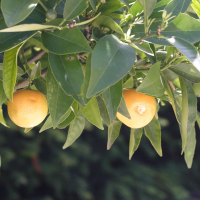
(35, 167)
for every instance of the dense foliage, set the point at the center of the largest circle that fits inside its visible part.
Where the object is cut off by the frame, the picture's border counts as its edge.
(88, 51)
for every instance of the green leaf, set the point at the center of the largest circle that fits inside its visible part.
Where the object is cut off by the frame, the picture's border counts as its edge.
(153, 132)
(145, 47)
(58, 101)
(189, 110)
(113, 132)
(148, 6)
(183, 26)
(68, 73)
(196, 6)
(126, 2)
(40, 84)
(186, 71)
(91, 112)
(75, 129)
(2, 120)
(65, 41)
(15, 11)
(123, 109)
(74, 8)
(47, 125)
(173, 101)
(103, 110)
(10, 71)
(135, 137)
(196, 88)
(110, 7)
(2, 93)
(36, 72)
(152, 85)
(198, 119)
(174, 8)
(93, 5)
(105, 21)
(67, 121)
(86, 78)
(190, 147)
(112, 97)
(111, 60)
(186, 49)
(136, 8)
(27, 27)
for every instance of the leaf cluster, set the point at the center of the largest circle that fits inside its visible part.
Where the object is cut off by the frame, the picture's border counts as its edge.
(82, 60)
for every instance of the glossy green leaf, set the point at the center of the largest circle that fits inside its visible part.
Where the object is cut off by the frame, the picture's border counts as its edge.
(2, 93)
(112, 97)
(190, 147)
(11, 40)
(2, 120)
(129, 83)
(74, 8)
(10, 71)
(15, 11)
(110, 6)
(67, 121)
(58, 101)
(123, 109)
(186, 71)
(189, 110)
(92, 5)
(105, 21)
(151, 85)
(92, 113)
(111, 60)
(196, 6)
(153, 132)
(65, 41)
(173, 101)
(27, 27)
(47, 125)
(113, 132)
(36, 72)
(37, 42)
(40, 84)
(86, 79)
(183, 26)
(103, 110)
(135, 137)
(136, 8)
(68, 73)
(148, 6)
(75, 129)
(175, 7)
(186, 49)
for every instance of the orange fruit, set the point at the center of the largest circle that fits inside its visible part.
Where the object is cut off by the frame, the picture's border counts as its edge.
(28, 109)
(141, 108)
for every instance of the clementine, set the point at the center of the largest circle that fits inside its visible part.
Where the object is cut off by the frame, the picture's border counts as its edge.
(141, 108)
(28, 109)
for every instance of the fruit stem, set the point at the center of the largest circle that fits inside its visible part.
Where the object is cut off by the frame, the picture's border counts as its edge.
(41, 3)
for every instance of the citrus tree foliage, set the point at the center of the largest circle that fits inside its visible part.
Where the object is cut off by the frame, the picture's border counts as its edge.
(82, 53)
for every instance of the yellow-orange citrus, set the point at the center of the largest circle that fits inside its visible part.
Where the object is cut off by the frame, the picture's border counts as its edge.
(28, 109)
(141, 108)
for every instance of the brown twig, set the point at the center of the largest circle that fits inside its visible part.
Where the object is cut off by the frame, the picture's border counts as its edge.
(25, 82)
(36, 57)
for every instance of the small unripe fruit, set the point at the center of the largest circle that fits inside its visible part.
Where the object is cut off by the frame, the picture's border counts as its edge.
(51, 14)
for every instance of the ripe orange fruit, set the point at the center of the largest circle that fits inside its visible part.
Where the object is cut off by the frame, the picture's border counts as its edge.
(141, 108)
(28, 109)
